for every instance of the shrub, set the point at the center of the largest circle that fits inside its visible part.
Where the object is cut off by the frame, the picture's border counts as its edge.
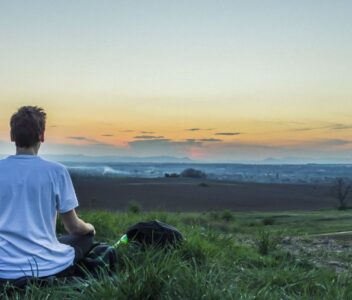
(214, 215)
(134, 208)
(268, 221)
(227, 216)
(193, 173)
(265, 242)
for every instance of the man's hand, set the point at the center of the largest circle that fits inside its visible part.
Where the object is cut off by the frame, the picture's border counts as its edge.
(92, 229)
(74, 225)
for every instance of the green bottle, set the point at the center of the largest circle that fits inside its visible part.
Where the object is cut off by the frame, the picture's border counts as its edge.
(122, 241)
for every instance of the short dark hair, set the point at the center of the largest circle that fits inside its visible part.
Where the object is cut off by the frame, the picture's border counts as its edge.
(26, 125)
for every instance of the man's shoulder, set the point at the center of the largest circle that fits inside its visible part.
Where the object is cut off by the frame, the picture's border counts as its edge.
(39, 162)
(54, 165)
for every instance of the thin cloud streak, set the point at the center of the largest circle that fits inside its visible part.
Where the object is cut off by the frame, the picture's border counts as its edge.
(228, 133)
(199, 129)
(339, 126)
(330, 126)
(82, 138)
(306, 128)
(90, 141)
(148, 137)
(204, 140)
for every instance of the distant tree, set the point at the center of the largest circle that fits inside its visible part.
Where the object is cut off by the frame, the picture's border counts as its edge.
(341, 189)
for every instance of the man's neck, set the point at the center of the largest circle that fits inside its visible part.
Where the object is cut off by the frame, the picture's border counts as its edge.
(26, 151)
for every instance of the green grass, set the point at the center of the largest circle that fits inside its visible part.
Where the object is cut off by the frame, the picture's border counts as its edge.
(226, 255)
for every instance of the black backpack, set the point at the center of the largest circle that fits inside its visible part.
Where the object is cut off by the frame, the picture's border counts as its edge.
(154, 233)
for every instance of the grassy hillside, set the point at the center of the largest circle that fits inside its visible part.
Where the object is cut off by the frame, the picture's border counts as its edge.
(226, 256)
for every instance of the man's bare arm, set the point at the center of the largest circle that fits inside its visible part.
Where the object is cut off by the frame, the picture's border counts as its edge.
(74, 225)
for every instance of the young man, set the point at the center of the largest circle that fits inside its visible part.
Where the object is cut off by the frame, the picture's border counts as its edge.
(32, 192)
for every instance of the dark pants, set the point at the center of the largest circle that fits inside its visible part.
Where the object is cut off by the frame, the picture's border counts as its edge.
(82, 244)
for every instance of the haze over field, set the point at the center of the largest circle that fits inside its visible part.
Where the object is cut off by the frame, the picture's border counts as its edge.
(208, 80)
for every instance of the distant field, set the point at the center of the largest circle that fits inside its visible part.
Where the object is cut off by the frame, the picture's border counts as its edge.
(225, 256)
(185, 195)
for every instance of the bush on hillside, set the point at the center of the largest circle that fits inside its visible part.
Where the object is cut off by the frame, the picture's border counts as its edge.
(134, 208)
(227, 216)
(268, 221)
(193, 173)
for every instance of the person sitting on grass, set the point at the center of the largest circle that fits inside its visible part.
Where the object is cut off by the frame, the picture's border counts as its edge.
(32, 192)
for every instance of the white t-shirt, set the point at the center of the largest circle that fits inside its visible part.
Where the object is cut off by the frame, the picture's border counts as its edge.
(32, 191)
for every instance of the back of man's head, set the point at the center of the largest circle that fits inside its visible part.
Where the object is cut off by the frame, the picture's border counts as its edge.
(27, 124)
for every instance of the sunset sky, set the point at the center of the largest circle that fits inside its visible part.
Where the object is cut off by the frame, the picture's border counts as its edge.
(210, 80)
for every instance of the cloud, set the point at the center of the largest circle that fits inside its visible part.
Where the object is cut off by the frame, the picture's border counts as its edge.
(164, 141)
(187, 143)
(92, 142)
(311, 128)
(228, 133)
(107, 134)
(83, 138)
(148, 137)
(79, 138)
(339, 126)
(147, 132)
(331, 126)
(203, 140)
(306, 128)
(127, 130)
(198, 129)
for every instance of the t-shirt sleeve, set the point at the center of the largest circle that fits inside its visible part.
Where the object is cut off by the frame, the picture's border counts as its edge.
(66, 198)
